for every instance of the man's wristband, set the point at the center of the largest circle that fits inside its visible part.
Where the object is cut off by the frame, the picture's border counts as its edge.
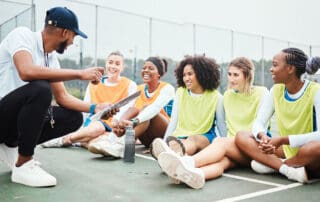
(92, 108)
(135, 122)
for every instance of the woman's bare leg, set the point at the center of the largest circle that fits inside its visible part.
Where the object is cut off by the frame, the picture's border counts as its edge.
(217, 169)
(249, 146)
(309, 157)
(217, 150)
(195, 143)
(84, 135)
(150, 130)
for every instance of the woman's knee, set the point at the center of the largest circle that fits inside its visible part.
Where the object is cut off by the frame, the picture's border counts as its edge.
(310, 149)
(241, 138)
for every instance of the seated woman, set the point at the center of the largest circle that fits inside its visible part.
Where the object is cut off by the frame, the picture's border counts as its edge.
(110, 90)
(296, 104)
(148, 116)
(197, 108)
(222, 154)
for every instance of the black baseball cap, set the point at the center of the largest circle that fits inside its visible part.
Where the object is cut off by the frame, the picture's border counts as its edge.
(64, 18)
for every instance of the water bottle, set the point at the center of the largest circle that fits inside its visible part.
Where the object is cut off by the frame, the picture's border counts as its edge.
(129, 148)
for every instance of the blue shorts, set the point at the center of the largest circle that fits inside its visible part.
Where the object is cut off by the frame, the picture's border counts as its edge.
(210, 135)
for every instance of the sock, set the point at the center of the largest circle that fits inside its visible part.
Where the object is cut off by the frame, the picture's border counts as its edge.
(283, 169)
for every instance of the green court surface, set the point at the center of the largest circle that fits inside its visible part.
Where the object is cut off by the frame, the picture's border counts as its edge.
(83, 176)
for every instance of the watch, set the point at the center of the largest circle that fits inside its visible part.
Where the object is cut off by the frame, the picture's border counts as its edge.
(135, 122)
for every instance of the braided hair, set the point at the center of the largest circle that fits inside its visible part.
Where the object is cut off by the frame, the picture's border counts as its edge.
(300, 60)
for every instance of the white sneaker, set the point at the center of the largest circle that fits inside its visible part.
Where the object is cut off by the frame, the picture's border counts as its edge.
(56, 142)
(108, 147)
(95, 146)
(8, 155)
(158, 146)
(297, 174)
(181, 169)
(261, 168)
(31, 174)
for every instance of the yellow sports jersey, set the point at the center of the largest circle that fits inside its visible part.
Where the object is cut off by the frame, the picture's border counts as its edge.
(295, 116)
(195, 113)
(241, 109)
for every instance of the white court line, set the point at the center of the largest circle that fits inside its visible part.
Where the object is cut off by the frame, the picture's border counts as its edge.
(145, 157)
(260, 193)
(279, 187)
(229, 175)
(253, 180)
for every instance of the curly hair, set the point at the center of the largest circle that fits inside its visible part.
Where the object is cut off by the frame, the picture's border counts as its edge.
(206, 69)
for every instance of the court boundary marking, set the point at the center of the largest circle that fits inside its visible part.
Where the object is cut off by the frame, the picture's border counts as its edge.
(261, 192)
(278, 187)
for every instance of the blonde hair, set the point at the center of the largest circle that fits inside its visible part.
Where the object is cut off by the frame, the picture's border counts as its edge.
(247, 67)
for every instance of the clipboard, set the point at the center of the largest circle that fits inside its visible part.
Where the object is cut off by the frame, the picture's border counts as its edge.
(120, 103)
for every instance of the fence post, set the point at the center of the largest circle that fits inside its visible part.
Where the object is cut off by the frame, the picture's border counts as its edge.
(33, 16)
(232, 45)
(194, 39)
(262, 60)
(96, 38)
(150, 36)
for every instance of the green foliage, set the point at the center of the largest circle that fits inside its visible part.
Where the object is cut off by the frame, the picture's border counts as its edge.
(133, 69)
(76, 92)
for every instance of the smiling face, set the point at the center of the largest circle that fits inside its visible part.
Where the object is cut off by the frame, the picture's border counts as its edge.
(190, 80)
(114, 66)
(279, 68)
(236, 79)
(149, 73)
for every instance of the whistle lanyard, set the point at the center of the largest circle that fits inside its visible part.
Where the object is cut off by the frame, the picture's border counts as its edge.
(50, 109)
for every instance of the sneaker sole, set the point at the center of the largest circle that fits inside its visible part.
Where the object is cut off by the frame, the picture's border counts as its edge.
(96, 150)
(111, 152)
(157, 147)
(13, 179)
(173, 167)
(176, 145)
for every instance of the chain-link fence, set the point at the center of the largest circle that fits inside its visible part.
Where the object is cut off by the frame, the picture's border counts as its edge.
(138, 36)
(15, 14)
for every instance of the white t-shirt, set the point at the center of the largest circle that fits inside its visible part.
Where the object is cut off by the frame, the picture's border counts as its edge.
(21, 38)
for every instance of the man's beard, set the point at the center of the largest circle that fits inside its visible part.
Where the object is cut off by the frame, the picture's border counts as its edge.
(62, 47)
